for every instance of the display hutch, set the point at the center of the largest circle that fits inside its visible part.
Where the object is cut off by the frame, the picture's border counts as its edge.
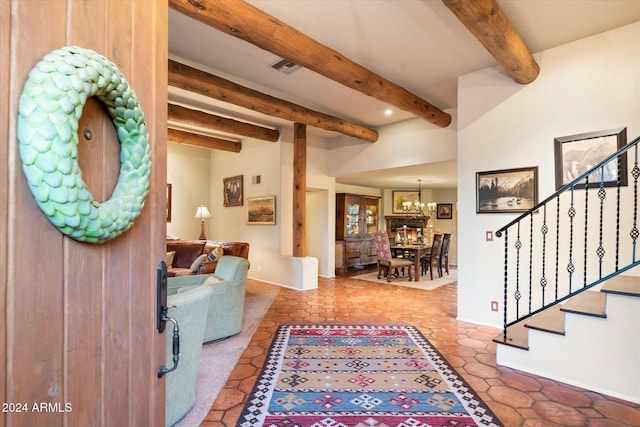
(414, 227)
(356, 222)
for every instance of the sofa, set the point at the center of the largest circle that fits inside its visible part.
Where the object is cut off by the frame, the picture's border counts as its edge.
(190, 309)
(190, 257)
(226, 304)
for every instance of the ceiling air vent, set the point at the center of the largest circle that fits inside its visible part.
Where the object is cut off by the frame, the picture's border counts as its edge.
(285, 66)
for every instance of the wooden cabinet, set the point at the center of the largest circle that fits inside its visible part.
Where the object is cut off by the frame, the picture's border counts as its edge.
(356, 220)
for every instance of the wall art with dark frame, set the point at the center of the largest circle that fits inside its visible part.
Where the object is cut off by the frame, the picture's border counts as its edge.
(261, 210)
(576, 154)
(232, 191)
(507, 190)
(444, 211)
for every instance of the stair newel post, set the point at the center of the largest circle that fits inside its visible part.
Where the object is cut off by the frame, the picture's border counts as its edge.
(586, 225)
(544, 230)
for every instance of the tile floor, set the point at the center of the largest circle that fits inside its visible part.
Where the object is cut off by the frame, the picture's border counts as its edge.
(517, 398)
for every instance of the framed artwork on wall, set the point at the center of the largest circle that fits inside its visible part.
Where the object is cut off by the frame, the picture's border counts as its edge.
(576, 154)
(444, 211)
(403, 196)
(168, 202)
(507, 190)
(261, 210)
(232, 191)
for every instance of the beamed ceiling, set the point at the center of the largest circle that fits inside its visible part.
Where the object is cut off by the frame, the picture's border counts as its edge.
(360, 57)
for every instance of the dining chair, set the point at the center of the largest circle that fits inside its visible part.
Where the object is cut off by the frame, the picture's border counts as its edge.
(387, 265)
(431, 260)
(444, 255)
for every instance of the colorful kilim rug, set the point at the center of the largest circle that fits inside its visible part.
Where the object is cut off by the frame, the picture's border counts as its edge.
(367, 375)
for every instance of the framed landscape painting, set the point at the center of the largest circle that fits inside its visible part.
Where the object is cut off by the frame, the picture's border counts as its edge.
(261, 210)
(507, 190)
(576, 154)
(403, 196)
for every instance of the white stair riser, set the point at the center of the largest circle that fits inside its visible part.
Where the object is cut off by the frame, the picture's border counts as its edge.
(595, 353)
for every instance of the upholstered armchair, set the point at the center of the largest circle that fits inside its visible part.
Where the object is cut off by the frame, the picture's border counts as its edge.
(226, 305)
(387, 265)
(189, 308)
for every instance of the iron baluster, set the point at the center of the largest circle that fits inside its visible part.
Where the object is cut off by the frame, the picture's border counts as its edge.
(544, 230)
(517, 294)
(602, 194)
(557, 243)
(506, 281)
(586, 225)
(572, 213)
(530, 259)
(618, 217)
(634, 231)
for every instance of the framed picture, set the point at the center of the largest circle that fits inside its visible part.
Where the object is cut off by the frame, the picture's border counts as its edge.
(403, 196)
(444, 211)
(168, 202)
(233, 191)
(576, 154)
(507, 190)
(261, 210)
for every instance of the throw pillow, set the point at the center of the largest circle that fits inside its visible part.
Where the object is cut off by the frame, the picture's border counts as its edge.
(170, 256)
(215, 254)
(196, 264)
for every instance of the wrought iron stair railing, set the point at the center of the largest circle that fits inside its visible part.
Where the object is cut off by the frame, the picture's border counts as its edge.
(580, 236)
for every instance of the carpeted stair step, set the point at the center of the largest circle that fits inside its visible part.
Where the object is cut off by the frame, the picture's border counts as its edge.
(517, 336)
(590, 303)
(550, 320)
(622, 285)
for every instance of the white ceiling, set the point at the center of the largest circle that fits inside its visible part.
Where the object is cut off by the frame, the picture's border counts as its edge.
(417, 44)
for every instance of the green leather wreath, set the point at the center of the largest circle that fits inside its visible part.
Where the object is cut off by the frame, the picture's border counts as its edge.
(50, 106)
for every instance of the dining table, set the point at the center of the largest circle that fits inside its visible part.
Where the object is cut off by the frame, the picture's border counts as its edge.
(417, 250)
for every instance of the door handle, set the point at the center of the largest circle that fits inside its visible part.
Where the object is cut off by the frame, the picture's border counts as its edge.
(163, 317)
(176, 348)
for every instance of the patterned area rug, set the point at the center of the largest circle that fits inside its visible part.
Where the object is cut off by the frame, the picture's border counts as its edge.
(369, 375)
(425, 282)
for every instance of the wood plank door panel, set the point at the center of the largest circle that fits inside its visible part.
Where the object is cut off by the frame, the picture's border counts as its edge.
(80, 318)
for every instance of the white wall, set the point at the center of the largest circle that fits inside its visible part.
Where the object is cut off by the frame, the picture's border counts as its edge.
(589, 85)
(188, 172)
(411, 142)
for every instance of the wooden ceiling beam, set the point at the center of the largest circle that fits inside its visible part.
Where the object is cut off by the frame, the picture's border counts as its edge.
(488, 23)
(194, 80)
(178, 113)
(189, 138)
(242, 20)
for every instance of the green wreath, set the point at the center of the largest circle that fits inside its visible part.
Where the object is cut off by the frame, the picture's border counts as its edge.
(50, 106)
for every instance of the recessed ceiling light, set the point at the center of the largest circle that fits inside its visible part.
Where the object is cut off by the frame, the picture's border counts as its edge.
(388, 112)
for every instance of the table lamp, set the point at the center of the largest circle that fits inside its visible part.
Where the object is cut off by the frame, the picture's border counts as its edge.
(202, 213)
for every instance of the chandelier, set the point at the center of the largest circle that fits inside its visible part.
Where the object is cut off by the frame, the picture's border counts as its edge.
(415, 209)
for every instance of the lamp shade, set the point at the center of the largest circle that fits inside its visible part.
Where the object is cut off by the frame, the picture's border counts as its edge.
(202, 213)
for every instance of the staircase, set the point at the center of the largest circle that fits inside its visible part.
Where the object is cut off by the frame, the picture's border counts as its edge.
(571, 301)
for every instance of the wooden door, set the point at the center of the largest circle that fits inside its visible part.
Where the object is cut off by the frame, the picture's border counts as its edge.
(78, 339)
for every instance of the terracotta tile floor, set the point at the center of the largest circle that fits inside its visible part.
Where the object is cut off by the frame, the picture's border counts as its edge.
(517, 398)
